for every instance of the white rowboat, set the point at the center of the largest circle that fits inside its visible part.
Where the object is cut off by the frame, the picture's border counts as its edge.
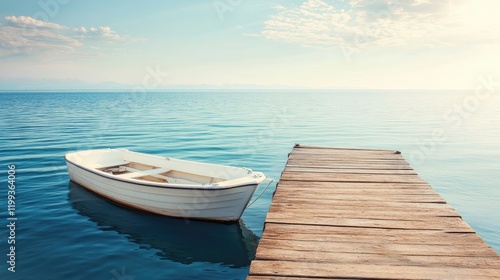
(165, 186)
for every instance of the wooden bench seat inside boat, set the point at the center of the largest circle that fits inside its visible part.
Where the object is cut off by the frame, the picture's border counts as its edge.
(141, 171)
(135, 170)
(124, 167)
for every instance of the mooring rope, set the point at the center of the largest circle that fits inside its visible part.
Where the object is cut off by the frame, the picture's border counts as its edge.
(261, 193)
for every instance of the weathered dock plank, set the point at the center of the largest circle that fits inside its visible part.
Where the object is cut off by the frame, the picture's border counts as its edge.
(368, 271)
(364, 214)
(351, 170)
(373, 235)
(348, 177)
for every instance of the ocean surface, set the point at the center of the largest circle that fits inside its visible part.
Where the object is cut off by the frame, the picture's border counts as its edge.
(62, 231)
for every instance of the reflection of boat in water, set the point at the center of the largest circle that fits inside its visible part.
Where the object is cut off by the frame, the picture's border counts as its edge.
(178, 240)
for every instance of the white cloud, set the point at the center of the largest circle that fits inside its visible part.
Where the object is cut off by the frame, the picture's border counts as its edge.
(103, 32)
(27, 36)
(367, 23)
(23, 35)
(24, 21)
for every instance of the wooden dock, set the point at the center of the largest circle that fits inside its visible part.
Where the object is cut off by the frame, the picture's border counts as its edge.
(364, 214)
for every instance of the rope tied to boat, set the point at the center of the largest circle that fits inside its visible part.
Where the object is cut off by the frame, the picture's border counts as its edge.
(261, 193)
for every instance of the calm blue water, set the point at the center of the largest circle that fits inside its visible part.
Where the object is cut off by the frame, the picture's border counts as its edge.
(65, 232)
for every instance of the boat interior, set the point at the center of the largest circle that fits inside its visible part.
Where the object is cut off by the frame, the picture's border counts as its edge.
(145, 172)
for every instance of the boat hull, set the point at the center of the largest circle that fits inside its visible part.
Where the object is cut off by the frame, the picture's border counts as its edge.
(208, 203)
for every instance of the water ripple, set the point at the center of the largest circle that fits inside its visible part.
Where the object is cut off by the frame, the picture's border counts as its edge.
(66, 232)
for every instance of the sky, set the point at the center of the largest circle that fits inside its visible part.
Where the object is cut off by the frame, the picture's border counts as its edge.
(356, 44)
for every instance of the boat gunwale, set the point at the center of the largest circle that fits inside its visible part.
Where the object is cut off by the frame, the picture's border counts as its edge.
(161, 185)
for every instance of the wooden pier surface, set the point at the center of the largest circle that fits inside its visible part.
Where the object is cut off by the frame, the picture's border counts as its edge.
(364, 214)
